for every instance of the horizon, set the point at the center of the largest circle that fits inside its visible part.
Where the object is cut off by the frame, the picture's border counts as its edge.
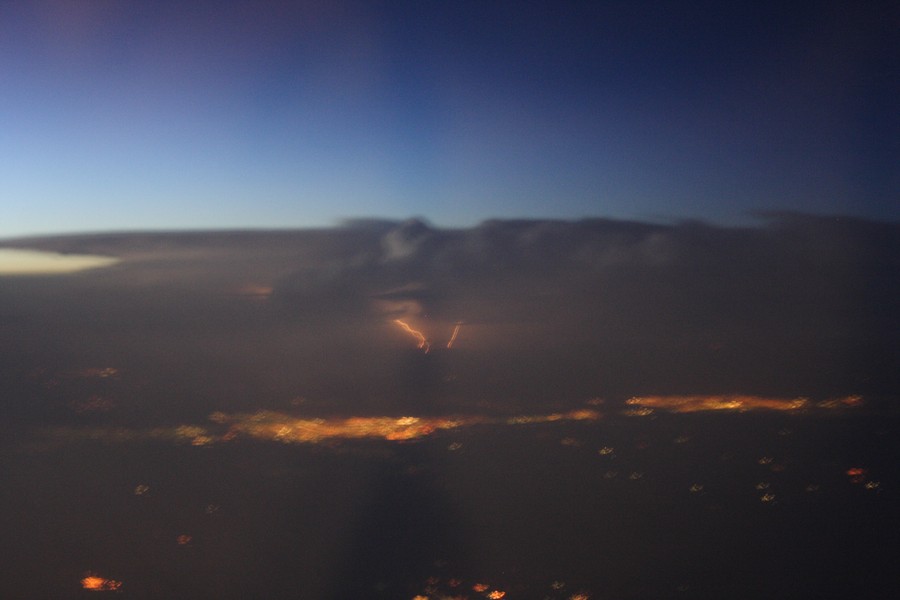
(752, 220)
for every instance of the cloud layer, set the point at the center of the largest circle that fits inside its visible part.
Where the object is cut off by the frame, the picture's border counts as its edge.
(545, 314)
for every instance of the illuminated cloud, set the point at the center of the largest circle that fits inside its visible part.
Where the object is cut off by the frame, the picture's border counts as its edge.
(32, 262)
(255, 291)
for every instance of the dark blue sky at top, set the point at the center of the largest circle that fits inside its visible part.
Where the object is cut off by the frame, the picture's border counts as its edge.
(158, 115)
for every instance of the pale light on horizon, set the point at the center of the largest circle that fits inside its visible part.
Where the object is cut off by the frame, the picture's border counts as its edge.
(14, 261)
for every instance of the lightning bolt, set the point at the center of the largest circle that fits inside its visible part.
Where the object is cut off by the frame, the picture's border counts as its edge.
(453, 336)
(422, 342)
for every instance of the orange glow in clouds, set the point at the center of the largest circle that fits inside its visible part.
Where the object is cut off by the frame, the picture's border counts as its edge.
(256, 291)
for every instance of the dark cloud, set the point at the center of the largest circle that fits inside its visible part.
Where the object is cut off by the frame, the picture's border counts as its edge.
(552, 312)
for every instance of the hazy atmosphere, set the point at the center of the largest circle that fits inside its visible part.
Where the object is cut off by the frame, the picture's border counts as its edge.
(565, 310)
(449, 300)
(529, 409)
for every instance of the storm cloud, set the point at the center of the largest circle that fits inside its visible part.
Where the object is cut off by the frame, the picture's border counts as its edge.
(548, 313)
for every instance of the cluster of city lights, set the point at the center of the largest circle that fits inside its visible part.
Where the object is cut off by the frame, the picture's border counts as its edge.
(289, 429)
(95, 583)
(274, 426)
(455, 589)
(645, 405)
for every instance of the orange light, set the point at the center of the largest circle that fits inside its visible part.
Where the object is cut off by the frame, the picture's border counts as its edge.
(453, 336)
(290, 429)
(256, 291)
(730, 402)
(420, 338)
(496, 595)
(856, 474)
(95, 583)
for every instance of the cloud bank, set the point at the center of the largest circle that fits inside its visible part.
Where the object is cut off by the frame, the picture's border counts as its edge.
(543, 315)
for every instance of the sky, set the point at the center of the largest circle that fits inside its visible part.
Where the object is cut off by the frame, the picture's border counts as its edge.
(118, 115)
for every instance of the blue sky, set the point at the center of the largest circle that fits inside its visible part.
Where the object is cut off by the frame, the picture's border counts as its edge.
(173, 115)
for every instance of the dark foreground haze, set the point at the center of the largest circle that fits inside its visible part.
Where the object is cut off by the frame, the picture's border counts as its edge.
(526, 409)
